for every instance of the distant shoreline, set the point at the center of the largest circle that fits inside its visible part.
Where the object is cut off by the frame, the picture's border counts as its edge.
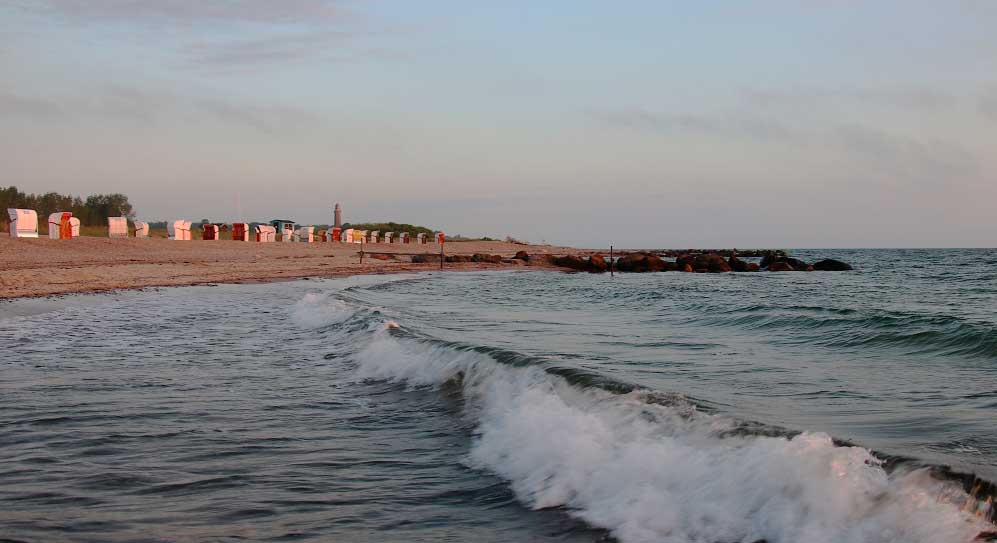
(32, 268)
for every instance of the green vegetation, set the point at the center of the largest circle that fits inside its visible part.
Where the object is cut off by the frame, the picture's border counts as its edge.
(391, 227)
(93, 211)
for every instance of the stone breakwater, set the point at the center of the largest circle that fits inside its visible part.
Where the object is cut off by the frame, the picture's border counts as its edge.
(704, 262)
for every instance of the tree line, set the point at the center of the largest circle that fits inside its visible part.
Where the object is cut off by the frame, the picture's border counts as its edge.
(93, 211)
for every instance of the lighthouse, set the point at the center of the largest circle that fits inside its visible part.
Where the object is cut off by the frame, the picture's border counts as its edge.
(339, 216)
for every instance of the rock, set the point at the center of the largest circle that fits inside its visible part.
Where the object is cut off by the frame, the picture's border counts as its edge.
(642, 263)
(522, 255)
(597, 264)
(425, 258)
(830, 264)
(687, 268)
(767, 259)
(752, 267)
(379, 256)
(573, 262)
(459, 258)
(541, 260)
(710, 262)
(796, 263)
(780, 267)
(683, 260)
(736, 264)
(493, 259)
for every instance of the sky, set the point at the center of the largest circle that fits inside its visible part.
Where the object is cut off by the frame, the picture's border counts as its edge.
(653, 124)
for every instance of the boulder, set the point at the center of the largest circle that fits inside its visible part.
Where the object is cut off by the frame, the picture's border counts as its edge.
(796, 263)
(687, 268)
(459, 258)
(768, 257)
(683, 260)
(425, 258)
(597, 264)
(710, 262)
(522, 255)
(752, 267)
(736, 264)
(541, 260)
(830, 264)
(493, 259)
(642, 263)
(780, 267)
(379, 256)
(572, 262)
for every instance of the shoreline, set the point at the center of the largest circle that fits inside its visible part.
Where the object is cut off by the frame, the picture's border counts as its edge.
(37, 268)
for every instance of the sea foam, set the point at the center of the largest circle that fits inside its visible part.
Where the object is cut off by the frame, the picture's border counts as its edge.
(320, 309)
(667, 473)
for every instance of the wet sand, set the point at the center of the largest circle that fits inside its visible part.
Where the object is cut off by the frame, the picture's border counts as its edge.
(43, 267)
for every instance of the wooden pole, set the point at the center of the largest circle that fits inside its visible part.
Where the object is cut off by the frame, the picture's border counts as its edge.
(361, 249)
(441, 253)
(611, 274)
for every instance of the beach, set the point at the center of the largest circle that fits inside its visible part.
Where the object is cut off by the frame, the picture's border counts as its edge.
(44, 267)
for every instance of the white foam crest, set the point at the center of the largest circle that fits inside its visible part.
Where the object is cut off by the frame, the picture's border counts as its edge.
(319, 309)
(646, 473)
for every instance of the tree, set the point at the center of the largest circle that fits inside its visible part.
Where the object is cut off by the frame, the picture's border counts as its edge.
(102, 206)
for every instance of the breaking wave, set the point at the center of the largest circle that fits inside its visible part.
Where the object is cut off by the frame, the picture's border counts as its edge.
(653, 468)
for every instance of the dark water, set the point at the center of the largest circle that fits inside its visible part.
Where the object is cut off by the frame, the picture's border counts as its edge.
(511, 406)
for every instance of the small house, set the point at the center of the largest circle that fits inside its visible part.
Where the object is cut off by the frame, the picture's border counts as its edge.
(420, 238)
(209, 232)
(141, 229)
(60, 226)
(74, 223)
(336, 234)
(178, 230)
(374, 236)
(117, 227)
(361, 238)
(389, 237)
(284, 228)
(265, 233)
(240, 231)
(403, 237)
(23, 223)
(305, 234)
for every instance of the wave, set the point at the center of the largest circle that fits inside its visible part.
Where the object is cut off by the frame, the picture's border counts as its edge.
(848, 328)
(653, 467)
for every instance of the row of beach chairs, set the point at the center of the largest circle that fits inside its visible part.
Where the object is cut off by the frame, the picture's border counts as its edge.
(62, 225)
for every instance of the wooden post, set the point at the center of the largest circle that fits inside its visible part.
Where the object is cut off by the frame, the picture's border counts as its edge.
(441, 254)
(611, 274)
(361, 249)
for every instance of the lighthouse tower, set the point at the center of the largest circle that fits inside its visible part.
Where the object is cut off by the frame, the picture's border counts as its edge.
(339, 216)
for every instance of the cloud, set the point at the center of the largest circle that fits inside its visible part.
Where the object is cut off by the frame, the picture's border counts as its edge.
(143, 107)
(726, 126)
(920, 158)
(16, 105)
(225, 33)
(900, 98)
(194, 12)
(263, 50)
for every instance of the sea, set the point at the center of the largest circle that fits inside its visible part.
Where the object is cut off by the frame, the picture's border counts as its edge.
(520, 405)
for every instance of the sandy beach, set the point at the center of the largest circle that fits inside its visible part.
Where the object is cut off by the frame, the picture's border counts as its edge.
(43, 267)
